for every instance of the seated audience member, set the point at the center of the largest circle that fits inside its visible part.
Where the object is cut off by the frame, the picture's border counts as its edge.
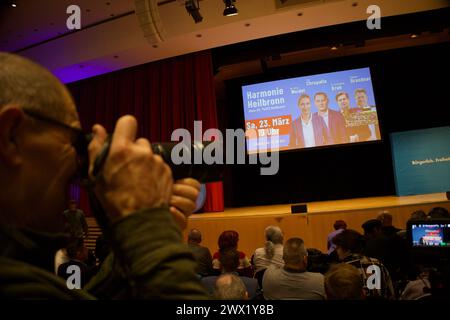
(417, 289)
(230, 287)
(343, 282)
(317, 261)
(338, 226)
(40, 150)
(386, 223)
(77, 256)
(349, 245)
(75, 221)
(83, 253)
(229, 261)
(418, 215)
(293, 281)
(272, 252)
(439, 213)
(229, 240)
(388, 247)
(201, 253)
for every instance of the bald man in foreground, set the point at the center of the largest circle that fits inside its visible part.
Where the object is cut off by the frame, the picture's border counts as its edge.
(40, 152)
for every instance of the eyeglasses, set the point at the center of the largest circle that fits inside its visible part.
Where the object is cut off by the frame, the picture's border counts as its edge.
(80, 140)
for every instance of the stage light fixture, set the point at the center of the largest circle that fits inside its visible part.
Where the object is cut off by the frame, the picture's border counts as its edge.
(230, 9)
(193, 8)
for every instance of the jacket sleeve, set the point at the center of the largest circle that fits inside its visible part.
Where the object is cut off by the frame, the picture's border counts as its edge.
(150, 261)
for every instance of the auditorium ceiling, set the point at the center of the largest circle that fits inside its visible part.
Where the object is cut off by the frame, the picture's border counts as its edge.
(111, 37)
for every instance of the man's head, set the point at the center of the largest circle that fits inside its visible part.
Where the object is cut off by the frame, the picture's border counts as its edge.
(274, 234)
(339, 224)
(194, 236)
(347, 242)
(37, 157)
(295, 255)
(304, 104)
(343, 101)
(372, 228)
(321, 101)
(230, 287)
(72, 205)
(439, 213)
(343, 282)
(361, 98)
(386, 218)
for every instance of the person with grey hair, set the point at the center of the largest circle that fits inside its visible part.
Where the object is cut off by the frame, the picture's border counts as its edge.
(293, 281)
(229, 286)
(272, 252)
(202, 254)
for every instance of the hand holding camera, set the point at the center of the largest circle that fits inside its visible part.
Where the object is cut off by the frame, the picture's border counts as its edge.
(132, 177)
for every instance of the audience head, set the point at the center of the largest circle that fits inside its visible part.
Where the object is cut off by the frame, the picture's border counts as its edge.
(36, 155)
(75, 249)
(348, 242)
(372, 227)
(194, 236)
(340, 224)
(295, 255)
(228, 240)
(274, 235)
(229, 260)
(343, 282)
(439, 213)
(386, 218)
(72, 205)
(230, 287)
(419, 215)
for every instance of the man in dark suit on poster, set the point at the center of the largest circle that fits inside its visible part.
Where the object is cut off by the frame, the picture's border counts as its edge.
(334, 120)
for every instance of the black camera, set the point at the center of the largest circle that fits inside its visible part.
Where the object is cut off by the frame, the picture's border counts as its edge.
(190, 167)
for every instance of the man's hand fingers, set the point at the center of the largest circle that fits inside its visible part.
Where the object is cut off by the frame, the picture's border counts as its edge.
(179, 217)
(125, 130)
(187, 187)
(144, 143)
(185, 205)
(99, 138)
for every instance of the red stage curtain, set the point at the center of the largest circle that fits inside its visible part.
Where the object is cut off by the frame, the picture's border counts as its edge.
(163, 96)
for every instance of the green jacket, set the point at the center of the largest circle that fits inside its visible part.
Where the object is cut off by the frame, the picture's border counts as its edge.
(150, 263)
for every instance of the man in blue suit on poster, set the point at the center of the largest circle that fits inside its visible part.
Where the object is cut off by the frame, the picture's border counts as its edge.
(307, 131)
(334, 120)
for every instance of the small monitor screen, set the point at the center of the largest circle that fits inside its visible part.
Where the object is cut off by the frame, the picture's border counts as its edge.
(431, 235)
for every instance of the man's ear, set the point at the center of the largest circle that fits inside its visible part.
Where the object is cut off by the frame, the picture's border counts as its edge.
(11, 117)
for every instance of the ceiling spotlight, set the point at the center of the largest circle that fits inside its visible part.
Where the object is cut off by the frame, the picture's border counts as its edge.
(13, 5)
(193, 8)
(414, 35)
(230, 9)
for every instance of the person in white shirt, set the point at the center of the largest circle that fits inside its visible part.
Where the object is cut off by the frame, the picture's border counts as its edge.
(272, 252)
(307, 131)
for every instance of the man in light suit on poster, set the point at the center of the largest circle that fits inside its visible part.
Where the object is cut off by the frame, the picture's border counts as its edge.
(307, 131)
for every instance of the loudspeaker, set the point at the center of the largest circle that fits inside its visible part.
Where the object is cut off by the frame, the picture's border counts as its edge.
(299, 208)
(448, 195)
(149, 20)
